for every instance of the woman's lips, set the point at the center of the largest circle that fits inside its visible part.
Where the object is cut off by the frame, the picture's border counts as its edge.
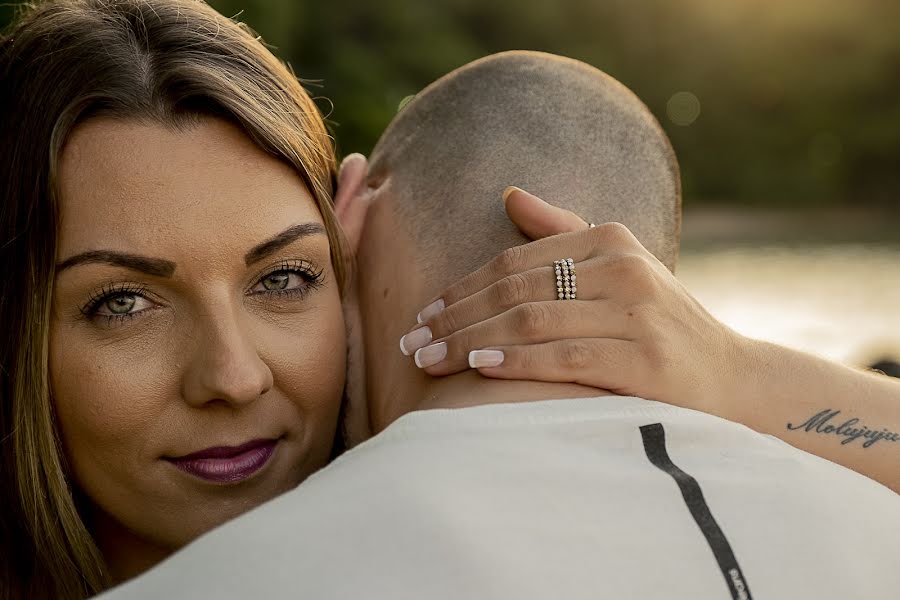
(227, 464)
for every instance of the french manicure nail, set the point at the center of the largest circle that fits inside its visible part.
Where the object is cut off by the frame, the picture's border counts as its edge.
(414, 340)
(485, 358)
(431, 355)
(430, 310)
(509, 190)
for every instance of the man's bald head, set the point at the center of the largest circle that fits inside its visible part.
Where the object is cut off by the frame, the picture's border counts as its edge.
(556, 127)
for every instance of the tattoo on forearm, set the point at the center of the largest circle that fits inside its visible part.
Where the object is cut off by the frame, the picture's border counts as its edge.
(849, 429)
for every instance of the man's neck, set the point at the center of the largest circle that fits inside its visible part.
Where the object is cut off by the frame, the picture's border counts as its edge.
(469, 388)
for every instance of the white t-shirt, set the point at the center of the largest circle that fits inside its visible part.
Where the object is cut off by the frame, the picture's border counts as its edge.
(607, 497)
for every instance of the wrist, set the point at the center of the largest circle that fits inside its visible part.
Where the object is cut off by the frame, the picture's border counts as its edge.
(739, 376)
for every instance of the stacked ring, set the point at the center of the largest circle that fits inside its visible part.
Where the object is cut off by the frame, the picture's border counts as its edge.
(566, 288)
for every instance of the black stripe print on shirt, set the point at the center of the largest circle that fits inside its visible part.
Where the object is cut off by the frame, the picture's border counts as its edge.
(654, 437)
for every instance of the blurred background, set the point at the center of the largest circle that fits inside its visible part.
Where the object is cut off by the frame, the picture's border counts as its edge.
(785, 117)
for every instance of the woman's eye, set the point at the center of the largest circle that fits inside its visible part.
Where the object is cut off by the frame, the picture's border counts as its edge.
(122, 304)
(277, 281)
(281, 281)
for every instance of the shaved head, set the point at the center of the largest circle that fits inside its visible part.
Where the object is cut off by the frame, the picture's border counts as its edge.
(556, 127)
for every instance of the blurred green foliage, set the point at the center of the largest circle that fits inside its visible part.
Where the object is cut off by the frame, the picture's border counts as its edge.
(767, 102)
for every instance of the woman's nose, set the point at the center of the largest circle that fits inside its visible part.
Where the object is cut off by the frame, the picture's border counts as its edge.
(225, 366)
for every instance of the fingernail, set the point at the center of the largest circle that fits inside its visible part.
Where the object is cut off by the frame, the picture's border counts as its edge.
(430, 310)
(414, 340)
(485, 358)
(509, 190)
(431, 355)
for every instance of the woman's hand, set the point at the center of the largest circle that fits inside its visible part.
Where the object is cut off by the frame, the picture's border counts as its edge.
(633, 329)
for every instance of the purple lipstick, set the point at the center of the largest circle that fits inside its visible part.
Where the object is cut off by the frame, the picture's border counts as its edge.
(227, 464)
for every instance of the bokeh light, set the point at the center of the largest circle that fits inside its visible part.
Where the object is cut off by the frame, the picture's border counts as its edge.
(683, 108)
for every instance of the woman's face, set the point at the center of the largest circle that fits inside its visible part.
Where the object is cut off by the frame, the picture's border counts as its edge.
(197, 345)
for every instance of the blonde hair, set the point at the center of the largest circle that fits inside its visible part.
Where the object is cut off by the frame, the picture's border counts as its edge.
(62, 62)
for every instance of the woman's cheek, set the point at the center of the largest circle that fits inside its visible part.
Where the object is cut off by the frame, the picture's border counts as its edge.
(118, 399)
(109, 399)
(307, 356)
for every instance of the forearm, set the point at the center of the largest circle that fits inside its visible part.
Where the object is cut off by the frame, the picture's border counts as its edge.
(636, 330)
(844, 415)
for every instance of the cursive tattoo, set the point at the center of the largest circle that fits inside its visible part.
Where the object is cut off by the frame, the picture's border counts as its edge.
(848, 429)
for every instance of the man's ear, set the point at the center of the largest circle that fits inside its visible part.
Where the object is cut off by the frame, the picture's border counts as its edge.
(351, 199)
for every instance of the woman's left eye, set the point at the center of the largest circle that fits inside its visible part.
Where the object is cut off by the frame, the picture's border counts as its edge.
(280, 280)
(287, 281)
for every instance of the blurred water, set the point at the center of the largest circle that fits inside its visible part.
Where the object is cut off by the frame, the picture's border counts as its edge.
(840, 301)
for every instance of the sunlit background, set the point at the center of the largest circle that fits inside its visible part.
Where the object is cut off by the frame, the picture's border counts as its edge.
(785, 115)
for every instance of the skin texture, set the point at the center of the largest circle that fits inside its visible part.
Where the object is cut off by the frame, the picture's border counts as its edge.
(386, 304)
(637, 331)
(214, 355)
(436, 214)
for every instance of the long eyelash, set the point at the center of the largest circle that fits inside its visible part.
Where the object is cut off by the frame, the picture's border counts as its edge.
(314, 277)
(89, 310)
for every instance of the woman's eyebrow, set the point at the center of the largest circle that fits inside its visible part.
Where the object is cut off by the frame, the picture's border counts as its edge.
(279, 241)
(152, 266)
(159, 267)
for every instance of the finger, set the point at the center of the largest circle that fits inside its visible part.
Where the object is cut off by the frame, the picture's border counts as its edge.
(537, 285)
(607, 364)
(531, 323)
(625, 279)
(536, 218)
(606, 239)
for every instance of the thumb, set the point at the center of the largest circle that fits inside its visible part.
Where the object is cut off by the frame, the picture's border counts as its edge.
(536, 218)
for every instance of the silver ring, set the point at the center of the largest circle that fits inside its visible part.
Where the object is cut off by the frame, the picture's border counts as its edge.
(566, 288)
